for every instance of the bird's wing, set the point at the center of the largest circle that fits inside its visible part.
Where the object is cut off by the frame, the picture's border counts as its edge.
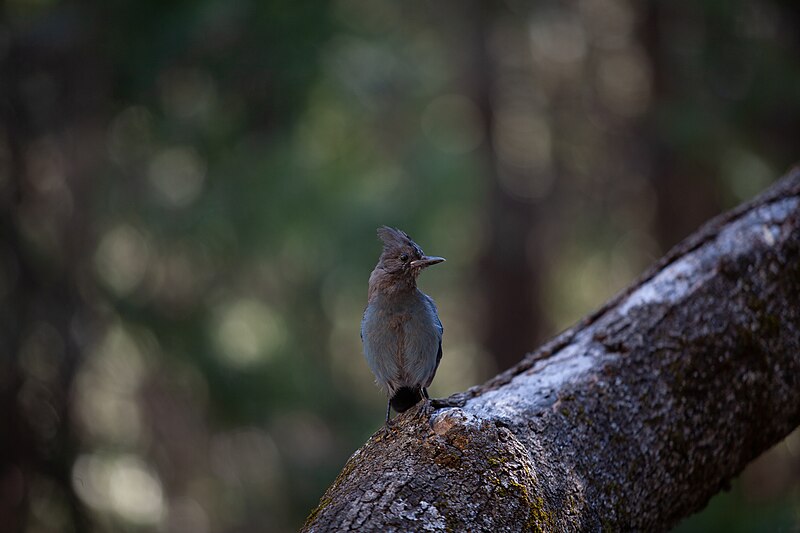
(432, 307)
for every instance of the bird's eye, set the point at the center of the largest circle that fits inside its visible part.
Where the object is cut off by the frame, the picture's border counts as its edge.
(404, 258)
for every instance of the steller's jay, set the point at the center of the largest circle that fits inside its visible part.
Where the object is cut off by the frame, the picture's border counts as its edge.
(401, 330)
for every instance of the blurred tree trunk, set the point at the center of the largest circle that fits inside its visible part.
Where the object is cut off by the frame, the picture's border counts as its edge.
(48, 99)
(509, 275)
(686, 192)
(631, 420)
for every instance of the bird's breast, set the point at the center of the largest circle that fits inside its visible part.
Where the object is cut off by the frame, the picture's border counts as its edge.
(392, 323)
(401, 341)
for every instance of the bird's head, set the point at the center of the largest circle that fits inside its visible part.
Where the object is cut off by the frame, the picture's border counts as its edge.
(402, 258)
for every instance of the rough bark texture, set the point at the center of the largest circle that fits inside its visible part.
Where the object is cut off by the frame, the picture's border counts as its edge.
(630, 420)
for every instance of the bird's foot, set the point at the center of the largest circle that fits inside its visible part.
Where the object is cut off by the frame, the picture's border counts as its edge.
(456, 400)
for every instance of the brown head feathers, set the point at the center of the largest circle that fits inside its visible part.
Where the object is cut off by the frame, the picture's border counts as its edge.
(395, 239)
(400, 263)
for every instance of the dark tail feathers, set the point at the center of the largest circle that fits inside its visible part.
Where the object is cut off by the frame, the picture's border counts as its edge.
(405, 398)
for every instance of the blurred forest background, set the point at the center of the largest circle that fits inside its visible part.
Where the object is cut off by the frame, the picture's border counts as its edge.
(189, 193)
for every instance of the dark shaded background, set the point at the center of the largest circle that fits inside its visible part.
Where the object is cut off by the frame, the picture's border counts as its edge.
(189, 193)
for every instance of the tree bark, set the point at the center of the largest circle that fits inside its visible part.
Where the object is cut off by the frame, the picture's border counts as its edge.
(630, 420)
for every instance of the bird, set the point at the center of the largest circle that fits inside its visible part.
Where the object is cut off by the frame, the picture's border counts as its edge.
(400, 330)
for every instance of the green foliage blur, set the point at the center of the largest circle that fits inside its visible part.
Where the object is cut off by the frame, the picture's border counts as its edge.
(194, 188)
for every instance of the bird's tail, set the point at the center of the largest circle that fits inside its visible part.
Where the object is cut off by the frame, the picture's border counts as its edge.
(405, 398)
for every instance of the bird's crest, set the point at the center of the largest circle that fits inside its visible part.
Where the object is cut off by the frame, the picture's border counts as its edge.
(394, 238)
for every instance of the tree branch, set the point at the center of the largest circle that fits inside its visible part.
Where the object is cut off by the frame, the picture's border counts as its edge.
(630, 420)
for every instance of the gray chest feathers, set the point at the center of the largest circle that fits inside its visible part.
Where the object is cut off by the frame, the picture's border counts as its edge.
(402, 339)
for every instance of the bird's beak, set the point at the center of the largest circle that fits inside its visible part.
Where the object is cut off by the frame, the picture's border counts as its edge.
(426, 261)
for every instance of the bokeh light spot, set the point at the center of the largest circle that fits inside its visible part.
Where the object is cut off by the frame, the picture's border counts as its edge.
(557, 36)
(610, 23)
(121, 258)
(247, 332)
(747, 173)
(135, 491)
(177, 175)
(625, 82)
(124, 485)
(106, 388)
